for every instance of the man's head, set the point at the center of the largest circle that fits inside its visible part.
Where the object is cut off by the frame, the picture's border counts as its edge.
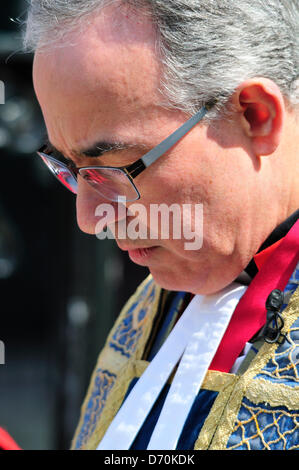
(131, 76)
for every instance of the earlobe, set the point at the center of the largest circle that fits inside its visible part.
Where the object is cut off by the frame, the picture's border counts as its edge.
(262, 109)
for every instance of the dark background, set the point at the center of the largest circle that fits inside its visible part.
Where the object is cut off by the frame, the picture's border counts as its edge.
(60, 289)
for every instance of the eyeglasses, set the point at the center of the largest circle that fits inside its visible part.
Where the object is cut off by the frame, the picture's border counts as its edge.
(115, 182)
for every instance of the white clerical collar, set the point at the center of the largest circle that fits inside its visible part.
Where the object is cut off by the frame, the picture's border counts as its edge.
(193, 341)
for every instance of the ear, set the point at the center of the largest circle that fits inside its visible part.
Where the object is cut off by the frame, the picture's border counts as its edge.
(262, 109)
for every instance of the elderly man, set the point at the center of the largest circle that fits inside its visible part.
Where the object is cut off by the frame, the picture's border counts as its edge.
(193, 103)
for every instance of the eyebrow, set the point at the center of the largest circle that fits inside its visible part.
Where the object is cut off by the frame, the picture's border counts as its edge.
(96, 150)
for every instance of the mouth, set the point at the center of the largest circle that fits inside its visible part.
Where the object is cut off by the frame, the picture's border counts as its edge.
(140, 255)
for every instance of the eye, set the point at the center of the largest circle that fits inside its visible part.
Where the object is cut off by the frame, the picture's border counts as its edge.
(93, 175)
(86, 176)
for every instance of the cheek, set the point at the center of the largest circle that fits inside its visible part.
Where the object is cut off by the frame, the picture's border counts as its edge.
(171, 182)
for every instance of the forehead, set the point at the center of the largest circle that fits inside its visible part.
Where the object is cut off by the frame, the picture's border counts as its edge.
(108, 73)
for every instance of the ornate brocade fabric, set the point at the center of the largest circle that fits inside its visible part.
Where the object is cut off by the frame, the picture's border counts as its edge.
(255, 409)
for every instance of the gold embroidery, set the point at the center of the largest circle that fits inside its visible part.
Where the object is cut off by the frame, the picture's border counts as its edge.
(114, 401)
(275, 395)
(273, 426)
(226, 383)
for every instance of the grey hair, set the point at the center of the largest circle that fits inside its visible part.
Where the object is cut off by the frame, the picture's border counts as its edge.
(208, 47)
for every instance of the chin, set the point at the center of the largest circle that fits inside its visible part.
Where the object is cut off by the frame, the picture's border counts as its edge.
(174, 281)
(189, 282)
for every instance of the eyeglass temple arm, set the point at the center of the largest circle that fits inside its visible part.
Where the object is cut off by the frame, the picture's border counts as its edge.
(151, 156)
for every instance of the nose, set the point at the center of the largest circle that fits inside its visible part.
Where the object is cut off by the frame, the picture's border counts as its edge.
(93, 210)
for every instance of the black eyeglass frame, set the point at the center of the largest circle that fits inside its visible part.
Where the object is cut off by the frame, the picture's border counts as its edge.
(134, 169)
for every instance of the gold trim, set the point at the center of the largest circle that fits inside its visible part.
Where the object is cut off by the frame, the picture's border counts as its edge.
(226, 383)
(279, 394)
(214, 380)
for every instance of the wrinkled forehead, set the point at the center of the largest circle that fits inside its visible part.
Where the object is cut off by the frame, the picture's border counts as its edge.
(112, 60)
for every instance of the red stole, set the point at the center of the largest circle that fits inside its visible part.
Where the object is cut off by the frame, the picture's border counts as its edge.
(276, 267)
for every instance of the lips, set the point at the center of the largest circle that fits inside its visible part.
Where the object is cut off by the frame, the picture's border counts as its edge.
(141, 251)
(134, 248)
(139, 255)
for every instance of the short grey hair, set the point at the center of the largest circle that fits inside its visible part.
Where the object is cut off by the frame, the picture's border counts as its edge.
(208, 47)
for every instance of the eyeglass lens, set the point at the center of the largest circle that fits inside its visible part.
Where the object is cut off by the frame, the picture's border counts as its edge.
(111, 183)
(62, 173)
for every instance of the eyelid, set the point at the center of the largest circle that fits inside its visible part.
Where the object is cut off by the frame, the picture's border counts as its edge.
(102, 151)
(59, 156)
(103, 154)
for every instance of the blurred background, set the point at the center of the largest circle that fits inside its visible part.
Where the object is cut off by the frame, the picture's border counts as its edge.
(61, 290)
